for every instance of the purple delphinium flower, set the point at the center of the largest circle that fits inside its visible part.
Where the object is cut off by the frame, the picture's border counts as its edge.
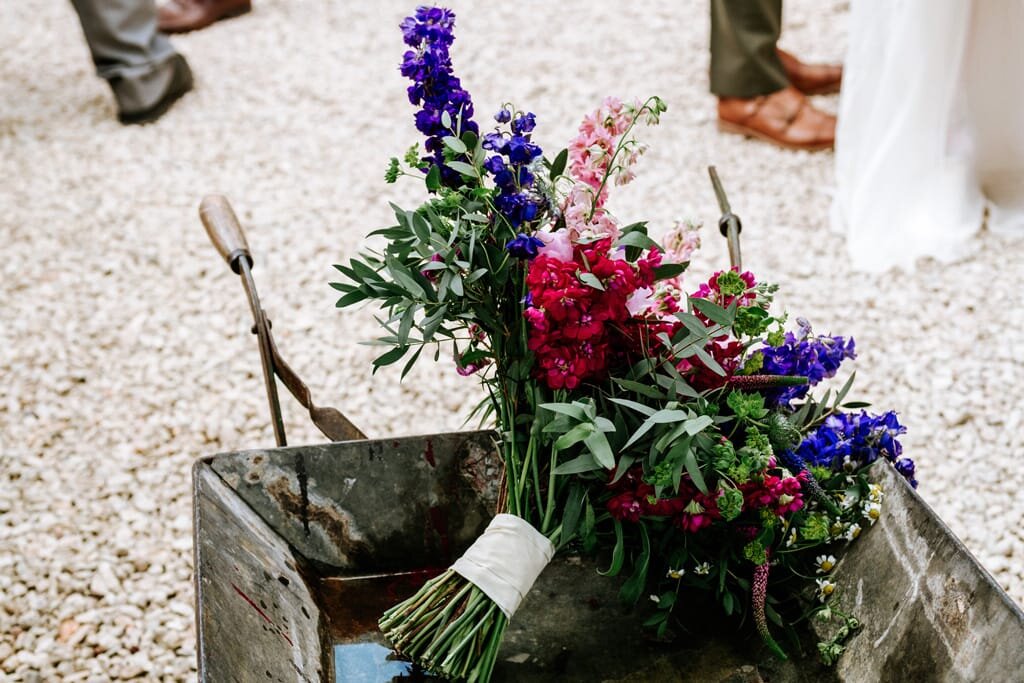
(906, 467)
(855, 439)
(524, 123)
(815, 358)
(429, 32)
(514, 152)
(524, 246)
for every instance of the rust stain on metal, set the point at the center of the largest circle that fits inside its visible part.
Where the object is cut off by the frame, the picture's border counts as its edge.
(303, 477)
(332, 522)
(428, 454)
(954, 608)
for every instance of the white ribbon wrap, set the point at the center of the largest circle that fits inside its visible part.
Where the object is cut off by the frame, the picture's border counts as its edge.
(506, 560)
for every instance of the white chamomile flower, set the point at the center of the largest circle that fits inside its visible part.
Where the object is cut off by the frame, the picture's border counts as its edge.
(675, 573)
(825, 588)
(654, 598)
(825, 563)
(875, 493)
(852, 532)
(872, 511)
(702, 569)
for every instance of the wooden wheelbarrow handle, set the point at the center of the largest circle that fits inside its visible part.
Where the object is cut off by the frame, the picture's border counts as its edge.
(224, 230)
(227, 236)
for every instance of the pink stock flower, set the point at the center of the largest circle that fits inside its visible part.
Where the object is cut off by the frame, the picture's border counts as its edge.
(681, 241)
(557, 244)
(640, 301)
(593, 150)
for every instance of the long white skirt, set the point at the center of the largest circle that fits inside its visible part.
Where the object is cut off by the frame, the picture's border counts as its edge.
(931, 128)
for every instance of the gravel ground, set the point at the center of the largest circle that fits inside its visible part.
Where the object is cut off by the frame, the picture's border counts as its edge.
(124, 345)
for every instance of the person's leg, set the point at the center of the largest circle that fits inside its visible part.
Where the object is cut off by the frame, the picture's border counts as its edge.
(744, 60)
(755, 95)
(143, 69)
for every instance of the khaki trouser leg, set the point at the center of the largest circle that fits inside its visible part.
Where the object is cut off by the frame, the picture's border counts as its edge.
(127, 50)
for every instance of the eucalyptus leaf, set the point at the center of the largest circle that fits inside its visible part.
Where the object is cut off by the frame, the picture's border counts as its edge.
(389, 357)
(666, 416)
(578, 465)
(638, 407)
(571, 514)
(421, 228)
(634, 586)
(591, 280)
(599, 448)
(352, 298)
(640, 388)
(411, 362)
(574, 436)
(433, 178)
(667, 271)
(571, 409)
(698, 424)
(558, 165)
(463, 168)
(618, 553)
(712, 311)
(637, 239)
(690, 461)
(454, 144)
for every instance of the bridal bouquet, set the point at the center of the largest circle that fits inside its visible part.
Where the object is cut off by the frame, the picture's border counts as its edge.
(675, 435)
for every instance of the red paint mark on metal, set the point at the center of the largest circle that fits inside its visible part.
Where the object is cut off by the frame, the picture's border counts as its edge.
(262, 614)
(428, 454)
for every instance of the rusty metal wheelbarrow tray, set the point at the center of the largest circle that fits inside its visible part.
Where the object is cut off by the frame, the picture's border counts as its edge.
(299, 549)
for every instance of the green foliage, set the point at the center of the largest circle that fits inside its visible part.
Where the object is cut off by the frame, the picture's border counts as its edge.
(746, 406)
(816, 528)
(723, 456)
(391, 175)
(752, 321)
(753, 364)
(755, 552)
(757, 444)
(731, 284)
(730, 503)
(782, 433)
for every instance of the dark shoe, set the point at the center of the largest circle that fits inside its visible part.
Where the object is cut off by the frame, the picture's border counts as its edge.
(181, 16)
(811, 79)
(785, 118)
(179, 83)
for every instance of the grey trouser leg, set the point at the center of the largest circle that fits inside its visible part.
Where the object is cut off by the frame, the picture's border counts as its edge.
(743, 38)
(127, 50)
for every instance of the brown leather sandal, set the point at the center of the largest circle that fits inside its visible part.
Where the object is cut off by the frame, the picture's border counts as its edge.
(785, 118)
(811, 79)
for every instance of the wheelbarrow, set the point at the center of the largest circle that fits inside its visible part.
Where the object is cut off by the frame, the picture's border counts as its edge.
(298, 550)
